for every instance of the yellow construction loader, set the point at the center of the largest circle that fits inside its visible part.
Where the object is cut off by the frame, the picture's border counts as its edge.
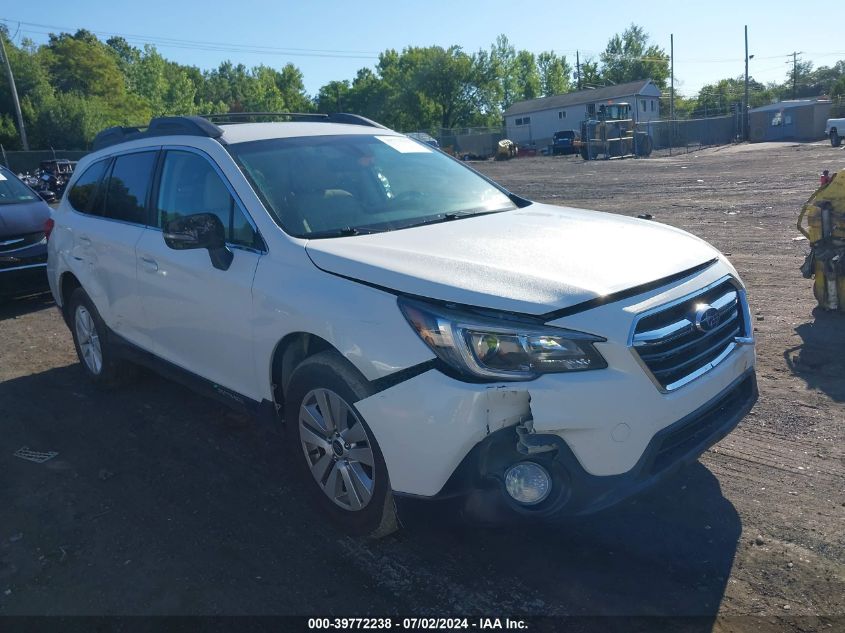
(609, 132)
(825, 228)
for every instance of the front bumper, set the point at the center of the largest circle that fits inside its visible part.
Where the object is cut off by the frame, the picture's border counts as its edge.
(23, 273)
(476, 489)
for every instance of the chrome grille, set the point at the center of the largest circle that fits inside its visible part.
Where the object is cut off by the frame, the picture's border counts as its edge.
(675, 350)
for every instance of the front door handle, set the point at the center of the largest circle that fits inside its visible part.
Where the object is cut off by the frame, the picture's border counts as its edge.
(149, 264)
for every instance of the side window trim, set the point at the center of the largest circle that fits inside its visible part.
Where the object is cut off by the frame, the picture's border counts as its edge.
(235, 197)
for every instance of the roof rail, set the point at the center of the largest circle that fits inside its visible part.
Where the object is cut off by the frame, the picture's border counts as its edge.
(316, 117)
(159, 126)
(203, 125)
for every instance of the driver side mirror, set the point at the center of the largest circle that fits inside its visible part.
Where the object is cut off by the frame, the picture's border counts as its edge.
(201, 230)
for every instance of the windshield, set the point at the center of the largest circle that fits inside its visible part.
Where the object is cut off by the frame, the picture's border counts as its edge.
(13, 190)
(328, 186)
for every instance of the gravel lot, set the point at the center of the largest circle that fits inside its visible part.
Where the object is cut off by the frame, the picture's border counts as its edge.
(162, 502)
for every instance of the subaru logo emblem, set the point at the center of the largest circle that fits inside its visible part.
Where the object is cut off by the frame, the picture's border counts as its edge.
(707, 318)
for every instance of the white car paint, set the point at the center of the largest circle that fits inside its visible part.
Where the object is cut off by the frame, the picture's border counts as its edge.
(429, 437)
(225, 325)
(533, 260)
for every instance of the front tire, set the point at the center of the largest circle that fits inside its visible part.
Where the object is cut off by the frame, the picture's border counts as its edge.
(835, 139)
(90, 338)
(333, 451)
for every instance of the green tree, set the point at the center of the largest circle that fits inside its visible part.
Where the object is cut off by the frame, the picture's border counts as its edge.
(630, 57)
(590, 74)
(717, 98)
(333, 97)
(78, 63)
(503, 62)
(527, 76)
(554, 73)
(291, 85)
(263, 94)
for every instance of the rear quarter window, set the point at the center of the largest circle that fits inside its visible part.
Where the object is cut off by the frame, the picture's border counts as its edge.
(81, 195)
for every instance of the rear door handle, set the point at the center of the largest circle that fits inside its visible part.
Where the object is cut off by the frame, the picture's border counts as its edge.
(85, 240)
(149, 264)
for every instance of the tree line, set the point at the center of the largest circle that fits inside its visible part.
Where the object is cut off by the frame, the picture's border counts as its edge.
(75, 85)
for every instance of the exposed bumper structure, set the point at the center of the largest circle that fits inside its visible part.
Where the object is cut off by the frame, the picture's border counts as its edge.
(476, 489)
(428, 424)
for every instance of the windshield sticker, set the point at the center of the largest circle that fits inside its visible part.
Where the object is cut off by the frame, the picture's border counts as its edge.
(2, 177)
(404, 145)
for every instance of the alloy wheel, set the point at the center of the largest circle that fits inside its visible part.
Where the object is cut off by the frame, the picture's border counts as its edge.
(337, 448)
(89, 340)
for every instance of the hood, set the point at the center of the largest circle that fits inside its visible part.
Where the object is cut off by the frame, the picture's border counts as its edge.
(533, 260)
(23, 217)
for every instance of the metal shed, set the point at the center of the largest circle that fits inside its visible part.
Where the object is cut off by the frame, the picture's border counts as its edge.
(799, 120)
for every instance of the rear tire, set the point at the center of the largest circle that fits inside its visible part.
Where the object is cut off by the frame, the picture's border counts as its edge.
(91, 340)
(835, 139)
(333, 451)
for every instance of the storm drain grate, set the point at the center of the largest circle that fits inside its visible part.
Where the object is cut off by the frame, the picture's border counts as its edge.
(34, 456)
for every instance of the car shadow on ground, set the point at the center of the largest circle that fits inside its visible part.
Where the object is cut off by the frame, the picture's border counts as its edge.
(162, 502)
(820, 358)
(19, 306)
(666, 552)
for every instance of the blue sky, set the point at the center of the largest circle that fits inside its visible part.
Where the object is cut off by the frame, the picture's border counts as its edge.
(332, 39)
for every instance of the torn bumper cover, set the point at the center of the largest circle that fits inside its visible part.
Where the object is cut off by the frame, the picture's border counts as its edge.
(601, 438)
(476, 489)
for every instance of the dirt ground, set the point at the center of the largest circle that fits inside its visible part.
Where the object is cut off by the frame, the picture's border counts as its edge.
(162, 502)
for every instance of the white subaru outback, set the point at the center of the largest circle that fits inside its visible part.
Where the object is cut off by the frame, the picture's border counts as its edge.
(423, 333)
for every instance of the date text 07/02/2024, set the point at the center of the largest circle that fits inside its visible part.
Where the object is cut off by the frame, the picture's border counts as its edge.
(416, 624)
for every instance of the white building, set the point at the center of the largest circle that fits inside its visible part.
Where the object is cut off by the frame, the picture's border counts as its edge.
(536, 120)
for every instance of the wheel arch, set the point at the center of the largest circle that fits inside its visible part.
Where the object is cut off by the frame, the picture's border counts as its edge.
(290, 352)
(67, 284)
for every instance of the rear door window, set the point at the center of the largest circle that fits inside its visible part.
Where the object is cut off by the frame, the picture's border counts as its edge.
(81, 195)
(129, 183)
(191, 185)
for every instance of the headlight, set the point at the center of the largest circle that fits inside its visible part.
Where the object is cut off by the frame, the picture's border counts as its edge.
(486, 347)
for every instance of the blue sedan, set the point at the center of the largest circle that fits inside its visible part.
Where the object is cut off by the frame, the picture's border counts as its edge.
(23, 237)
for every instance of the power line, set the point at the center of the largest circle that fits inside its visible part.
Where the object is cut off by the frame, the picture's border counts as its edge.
(204, 45)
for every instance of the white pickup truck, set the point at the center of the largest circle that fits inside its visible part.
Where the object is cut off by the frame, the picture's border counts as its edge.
(834, 129)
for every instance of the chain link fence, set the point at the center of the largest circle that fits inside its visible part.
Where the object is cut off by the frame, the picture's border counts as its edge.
(683, 135)
(474, 142)
(691, 134)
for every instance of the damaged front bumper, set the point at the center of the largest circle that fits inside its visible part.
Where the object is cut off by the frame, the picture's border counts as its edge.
(602, 436)
(476, 489)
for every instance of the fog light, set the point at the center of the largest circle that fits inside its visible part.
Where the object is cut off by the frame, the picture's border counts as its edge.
(528, 483)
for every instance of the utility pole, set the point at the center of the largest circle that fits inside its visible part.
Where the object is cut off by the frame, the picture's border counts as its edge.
(795, 55)
(578, 68)
(672, 79)
(745, 100)
(14, 90)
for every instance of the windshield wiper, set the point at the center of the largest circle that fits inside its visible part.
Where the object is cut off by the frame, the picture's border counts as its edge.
(346, 231)
(448, 217)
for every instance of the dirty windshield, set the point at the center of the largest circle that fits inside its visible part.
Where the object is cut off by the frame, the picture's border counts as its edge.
(333, 185)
